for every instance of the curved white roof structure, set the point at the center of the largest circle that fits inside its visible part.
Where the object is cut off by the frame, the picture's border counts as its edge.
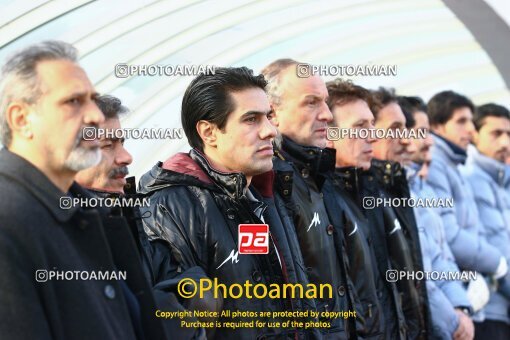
(433, 46)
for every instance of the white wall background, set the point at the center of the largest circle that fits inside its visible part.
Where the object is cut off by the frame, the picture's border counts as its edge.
(430, 46)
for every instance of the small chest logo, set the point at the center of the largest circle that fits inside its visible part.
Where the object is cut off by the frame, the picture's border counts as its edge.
(253, 239)
(315, 221)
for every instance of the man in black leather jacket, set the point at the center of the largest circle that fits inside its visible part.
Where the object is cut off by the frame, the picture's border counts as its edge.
(399, 221)
(301, 165)
(199, 199)
(379, 299)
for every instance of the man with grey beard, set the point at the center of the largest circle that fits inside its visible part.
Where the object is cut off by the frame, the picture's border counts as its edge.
(68, 271)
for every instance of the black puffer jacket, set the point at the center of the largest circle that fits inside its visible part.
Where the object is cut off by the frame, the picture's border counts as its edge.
(390, 297)
(197, 210)
(362, 264)
(404, 246)
(300, 176)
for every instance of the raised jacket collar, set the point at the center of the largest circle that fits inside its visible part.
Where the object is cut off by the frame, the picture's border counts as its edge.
(445, 149)
(308, 159)
(496, 170)
(387, 171)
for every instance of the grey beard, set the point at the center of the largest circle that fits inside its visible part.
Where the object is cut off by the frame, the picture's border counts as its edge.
(82, 158)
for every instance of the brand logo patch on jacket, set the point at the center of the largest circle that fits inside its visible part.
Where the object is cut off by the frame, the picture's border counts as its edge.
(397, 227)
(233, 256)
(315, 221)
(253, 239)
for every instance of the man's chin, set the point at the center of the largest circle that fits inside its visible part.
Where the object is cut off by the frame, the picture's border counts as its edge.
(117, 184)
(321, 143)
(364, 165)
(261, 168)
(115, 187)
(464, 145)
(396, 158)
(82, 158)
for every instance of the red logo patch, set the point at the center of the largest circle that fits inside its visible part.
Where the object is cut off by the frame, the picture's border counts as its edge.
(253, 239)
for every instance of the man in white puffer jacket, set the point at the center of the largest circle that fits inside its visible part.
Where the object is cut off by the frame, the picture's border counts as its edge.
(489, 178)
(448, 301)
(450, 116)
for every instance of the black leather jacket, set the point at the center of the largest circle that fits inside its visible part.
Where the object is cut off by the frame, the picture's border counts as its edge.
(404, 246)
(362, 264)
(300, 176)
(197, 210)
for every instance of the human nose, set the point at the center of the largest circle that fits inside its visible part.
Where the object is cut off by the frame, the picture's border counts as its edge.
(92, 115)
(123, 157)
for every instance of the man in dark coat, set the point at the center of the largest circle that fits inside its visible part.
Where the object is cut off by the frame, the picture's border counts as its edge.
(107, 180)
(401, 231)
(349, 104)
(302, 163)
(199, 200)
(68, 271)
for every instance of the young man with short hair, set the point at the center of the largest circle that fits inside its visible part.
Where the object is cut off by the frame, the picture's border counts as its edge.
(488, 176)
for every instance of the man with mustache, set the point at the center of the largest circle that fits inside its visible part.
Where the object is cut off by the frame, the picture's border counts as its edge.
(46, 101)
(401, 233)
(107, 180)
(449, 304)
(486, 172)
(302, 163)
(109, 175)
(199, 199)
(450, 116)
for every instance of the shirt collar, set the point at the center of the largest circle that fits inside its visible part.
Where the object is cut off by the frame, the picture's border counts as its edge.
(497, 170)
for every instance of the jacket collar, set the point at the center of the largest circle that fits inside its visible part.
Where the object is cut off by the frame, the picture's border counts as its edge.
(415, 181)
(412, 171)
(496, 170)
(263, 183)
(232, 183)
(193, 169)
(387, 171)
(103, 193)
(449, 150)
(310, 160)
(347, 178)
(24, 173)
